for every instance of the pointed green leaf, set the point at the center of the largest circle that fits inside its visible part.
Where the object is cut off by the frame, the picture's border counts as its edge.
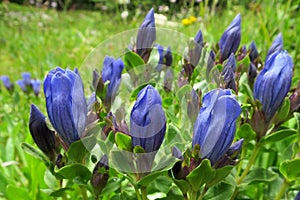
(80, 148)
(260, 175)
(132, 60)
(35, 153)
(123, 141)
(283, 111)
(17, 193)
(279, 135)
(245, 131)
(200, 175)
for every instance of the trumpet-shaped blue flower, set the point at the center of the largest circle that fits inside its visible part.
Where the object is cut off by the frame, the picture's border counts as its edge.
(228, 72)
(277, 45)
(195, 49)
(273, 82)
(112, 71)
(36, 86)
(66, 104)
(215, 126)
(231, 38)
(253, 52)
(146, 34)
(147, 120)
(7, 84)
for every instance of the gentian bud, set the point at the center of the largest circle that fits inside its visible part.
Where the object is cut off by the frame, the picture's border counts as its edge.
(146, 36)
(277, 45)
(253, 55)
(100, 175)
(7, 84)
(252, 73)
(195, 49)
(160, 50)
(36, 86)
(235, 149)
(112, 72)
(228, 73)
(66, 104)
(298, 196)
(295, 100)
(210, 63)
(95, 81)
(230, 39)
(22, 85)
(147, 120)
(168, 80)
(168, 57)
(41, 134)
(273, 82)
(215, 126)
(193, 105)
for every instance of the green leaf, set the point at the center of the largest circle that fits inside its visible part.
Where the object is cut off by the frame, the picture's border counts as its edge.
(260, 175)
(200, 175)
(277, 136)
(80, 148)
(112, 185)
(123, 141)
(290, 169)
(17, 193)
(60, 192)
(183, 91)
(283, 111)
(221, 191)
(297, 117)
(219, 175)
(245, 131)
(35, 153)
(149, 178)
(132, 60)
(74, 171)
(183, 185)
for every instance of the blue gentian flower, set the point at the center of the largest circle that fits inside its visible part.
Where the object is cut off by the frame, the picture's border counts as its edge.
(7, 84)
(146, 34)
(215, 126)
(273, 82)
(27, 78)
(41, 134)
(147, 120)
(230, 39)
(160, 50)
(168, 57)
(112, 72)
(66, 104)
(277, 45)
(22, 84)
(36, 86)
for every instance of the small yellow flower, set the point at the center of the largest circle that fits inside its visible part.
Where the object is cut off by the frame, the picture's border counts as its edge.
(186, 21)
(193, 19)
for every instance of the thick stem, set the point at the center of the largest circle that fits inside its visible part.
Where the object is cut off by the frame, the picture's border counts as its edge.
(83, 193)
(203, 193)
(283, 188)
(192, 195)
(144, 192)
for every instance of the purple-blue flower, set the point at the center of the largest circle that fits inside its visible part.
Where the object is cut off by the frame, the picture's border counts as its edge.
(21, 83)
(112, 71)
(147, 120)
(277, 45)
(36, 86)
(146, 34)
(215, 126)
(195, 49)
(66, 104)
(7, 84)
(273, 82)
(230, 39)
(253, 55)
(27, 78)
(228, 72)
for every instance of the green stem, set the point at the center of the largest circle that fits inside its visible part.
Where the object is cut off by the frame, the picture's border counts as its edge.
(248, 167)
(203, 193)
(192, 195)
(282, 189)
(144, 193)
(83, 193)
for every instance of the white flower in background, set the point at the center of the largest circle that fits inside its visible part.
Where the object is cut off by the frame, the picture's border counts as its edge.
(172, 1)
(124, 1)
(124, 14)
(163, 8)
